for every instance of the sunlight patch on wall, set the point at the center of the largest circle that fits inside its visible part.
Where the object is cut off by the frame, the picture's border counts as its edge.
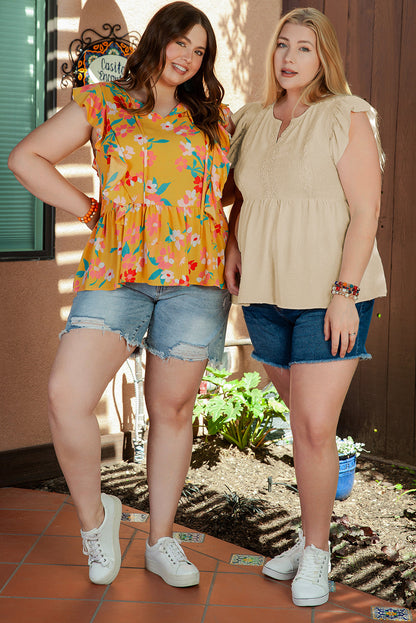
(68, 24)
(64, 312)
(69, 229)
(68, 257)
(71, 169)
(65, 286)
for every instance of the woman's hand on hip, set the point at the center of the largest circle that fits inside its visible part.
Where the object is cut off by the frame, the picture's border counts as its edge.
(341, 325)
(33, 160)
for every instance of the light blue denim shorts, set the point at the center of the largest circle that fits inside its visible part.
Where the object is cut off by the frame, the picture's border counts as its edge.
(183, 322)
(282, 337)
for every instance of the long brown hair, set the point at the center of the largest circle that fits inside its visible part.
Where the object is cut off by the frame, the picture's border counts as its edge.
(203, 93)
(330, 78)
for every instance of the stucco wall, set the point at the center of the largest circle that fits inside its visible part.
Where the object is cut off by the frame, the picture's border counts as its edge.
(36, 296)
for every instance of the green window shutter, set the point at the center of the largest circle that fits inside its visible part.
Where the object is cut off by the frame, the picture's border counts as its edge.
(22, 106)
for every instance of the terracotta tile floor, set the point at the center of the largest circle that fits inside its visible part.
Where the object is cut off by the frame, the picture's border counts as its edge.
(44, 577)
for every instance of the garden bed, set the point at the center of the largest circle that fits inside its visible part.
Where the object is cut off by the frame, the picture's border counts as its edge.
(229, 495)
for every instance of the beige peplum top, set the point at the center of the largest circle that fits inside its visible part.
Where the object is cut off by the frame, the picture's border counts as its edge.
(295, 214)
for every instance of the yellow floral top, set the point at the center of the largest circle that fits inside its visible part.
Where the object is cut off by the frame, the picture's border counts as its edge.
(161, 219)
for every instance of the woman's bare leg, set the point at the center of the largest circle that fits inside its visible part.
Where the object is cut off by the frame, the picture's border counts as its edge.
(280, 378)
(86, 361)
(317, 394)
(171, 386)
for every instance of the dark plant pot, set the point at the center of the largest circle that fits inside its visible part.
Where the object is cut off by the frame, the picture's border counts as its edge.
(346, 476)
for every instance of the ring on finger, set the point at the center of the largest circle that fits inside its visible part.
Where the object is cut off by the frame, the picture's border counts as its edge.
(352, 334)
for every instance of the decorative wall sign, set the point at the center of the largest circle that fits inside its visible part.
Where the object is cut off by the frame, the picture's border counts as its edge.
(98, 57)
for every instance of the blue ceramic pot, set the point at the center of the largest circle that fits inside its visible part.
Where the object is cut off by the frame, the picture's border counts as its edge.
(347, 466)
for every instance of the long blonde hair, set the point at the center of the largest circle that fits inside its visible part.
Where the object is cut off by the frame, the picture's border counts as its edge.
(330, 78)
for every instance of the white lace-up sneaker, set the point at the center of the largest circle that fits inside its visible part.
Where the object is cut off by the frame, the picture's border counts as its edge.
(310, 586)
(102, 545)
(167, 559)
(285, 566)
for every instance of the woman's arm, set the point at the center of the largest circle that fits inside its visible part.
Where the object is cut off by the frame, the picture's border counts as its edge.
(232, 270)
(33, 160)
(228, 192)
(360, 175)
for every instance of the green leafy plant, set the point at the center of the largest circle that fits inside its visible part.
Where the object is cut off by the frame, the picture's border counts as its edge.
(238, 410)
(399, 487)
(236, 505)
(349, 447)
(408, 491)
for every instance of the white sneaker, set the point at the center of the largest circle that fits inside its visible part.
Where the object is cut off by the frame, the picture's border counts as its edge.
(102, 545)
(310, 586)
(285, 566)
(167, 559)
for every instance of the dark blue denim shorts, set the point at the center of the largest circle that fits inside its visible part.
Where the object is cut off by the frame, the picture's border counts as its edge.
(282, 337)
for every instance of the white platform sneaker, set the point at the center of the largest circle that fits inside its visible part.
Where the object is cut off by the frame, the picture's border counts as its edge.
(285, 566)
(102, 545)
(310, 586)
(167, 559)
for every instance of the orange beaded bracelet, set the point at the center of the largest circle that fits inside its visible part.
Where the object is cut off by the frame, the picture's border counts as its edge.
(94, 207)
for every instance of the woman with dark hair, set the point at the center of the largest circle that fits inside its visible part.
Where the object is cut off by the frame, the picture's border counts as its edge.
(153, 265)
(201, 93)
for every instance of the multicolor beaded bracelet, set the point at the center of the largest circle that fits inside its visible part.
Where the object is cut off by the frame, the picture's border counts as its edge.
(345, 289)
(94, 208)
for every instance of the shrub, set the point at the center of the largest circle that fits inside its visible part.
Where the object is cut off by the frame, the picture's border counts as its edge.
(238, 410)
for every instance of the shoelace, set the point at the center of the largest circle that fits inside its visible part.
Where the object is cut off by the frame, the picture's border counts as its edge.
(174, 551)
(297, 548)
(91, 547)
(311, 566)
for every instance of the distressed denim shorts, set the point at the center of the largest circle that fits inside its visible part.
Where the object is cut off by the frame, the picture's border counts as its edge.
(282, 337)
(183, 322)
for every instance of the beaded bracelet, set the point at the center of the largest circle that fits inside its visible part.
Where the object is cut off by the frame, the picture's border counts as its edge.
(345, 289)
(94, 208)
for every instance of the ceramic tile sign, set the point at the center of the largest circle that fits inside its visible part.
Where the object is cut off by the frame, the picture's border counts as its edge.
(247, 560)
(134, 517)
(189, 537)
(391, 614)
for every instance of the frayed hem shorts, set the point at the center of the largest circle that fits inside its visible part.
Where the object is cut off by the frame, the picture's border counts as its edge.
(183, 322)
(283, 337)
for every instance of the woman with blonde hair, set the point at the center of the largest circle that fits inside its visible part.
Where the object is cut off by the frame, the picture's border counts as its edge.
(152, 269)
(303, 261)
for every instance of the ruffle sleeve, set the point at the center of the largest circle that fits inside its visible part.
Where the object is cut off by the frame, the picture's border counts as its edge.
(99, 103)
(241, 120)
(226, 114)
(91, 98)
(343, 106)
